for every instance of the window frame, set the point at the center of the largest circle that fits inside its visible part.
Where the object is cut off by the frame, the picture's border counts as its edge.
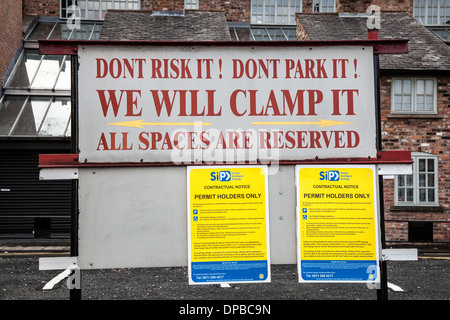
(320, 3)
(265, 3)
(440, 12)
(413, 95)
(64, 4)
(46, 114)
(416, 156)
(39, 100)
(193, 4)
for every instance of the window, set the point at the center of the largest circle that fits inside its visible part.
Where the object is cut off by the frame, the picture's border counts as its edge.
(263, 33)
(34, 71)
(191, 4)
(34, 116)
(442, 32)
(275, 11)
(36, 103)
(323, 6)
(95, 9)
(61, 30)
(420, 188)
(414, 95)
(273, 34)
(432, 12)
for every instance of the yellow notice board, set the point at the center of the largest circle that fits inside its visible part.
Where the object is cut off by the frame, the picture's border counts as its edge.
(337, 223)
(228, 231)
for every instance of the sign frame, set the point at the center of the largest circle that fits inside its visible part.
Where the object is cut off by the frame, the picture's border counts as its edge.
(71, 47)
(295, 104)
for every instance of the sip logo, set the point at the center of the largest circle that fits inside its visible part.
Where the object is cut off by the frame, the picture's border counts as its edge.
(332, 175)
(221, 176)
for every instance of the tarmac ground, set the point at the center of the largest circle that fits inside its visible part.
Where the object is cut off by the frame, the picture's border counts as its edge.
(423, 280)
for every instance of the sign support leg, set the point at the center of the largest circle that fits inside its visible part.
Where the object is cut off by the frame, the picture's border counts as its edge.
(382, 292)
(75, 291)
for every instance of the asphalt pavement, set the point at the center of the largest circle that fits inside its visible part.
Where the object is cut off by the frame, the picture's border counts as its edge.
(424, 280)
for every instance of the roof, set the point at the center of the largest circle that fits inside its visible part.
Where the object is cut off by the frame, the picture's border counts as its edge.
(194, 25)
(426, 51)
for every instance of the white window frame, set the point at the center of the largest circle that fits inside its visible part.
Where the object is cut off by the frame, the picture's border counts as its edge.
(279, 11)
(440, 15)
(416, 186)
(191, 4)
(321, 5)
(414, 95)
(96, 7)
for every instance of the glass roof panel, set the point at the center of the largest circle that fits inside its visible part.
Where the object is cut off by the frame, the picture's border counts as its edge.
(32, 106)
(68, 129)
(64, 80)
(41, 31)
(61, 30)
(291, 34)
(31, 117)
(25, 70)
(57, 118)
(9, 110)
(48, 72)
(260, 34)
(35, 116)
(40, 72)
(263, 33)
(443, 33)
(83, 32)
(96, 33)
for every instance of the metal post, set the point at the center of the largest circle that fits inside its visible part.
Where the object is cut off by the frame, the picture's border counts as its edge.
(382, 292)
(75, 294)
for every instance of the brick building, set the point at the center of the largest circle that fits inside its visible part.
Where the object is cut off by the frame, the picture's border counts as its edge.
(414, 114)
(35, 93)
(11, 35)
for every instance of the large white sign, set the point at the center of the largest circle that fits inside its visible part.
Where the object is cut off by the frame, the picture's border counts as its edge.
(222, 104)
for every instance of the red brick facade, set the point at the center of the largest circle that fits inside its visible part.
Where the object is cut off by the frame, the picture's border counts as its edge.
(418, 134)
(240, 10)
(11, 33)
(41, 8)
(235, 10)
(385, 5)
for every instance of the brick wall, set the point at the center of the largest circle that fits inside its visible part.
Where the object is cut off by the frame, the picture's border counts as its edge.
(41, 8)
(423, 134)
(163, 5)
(235, 10)
(385, 5)
(362, 5)
(11, 33)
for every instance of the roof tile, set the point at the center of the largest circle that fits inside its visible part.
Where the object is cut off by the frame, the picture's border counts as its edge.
(194, 25)
(426, 50)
